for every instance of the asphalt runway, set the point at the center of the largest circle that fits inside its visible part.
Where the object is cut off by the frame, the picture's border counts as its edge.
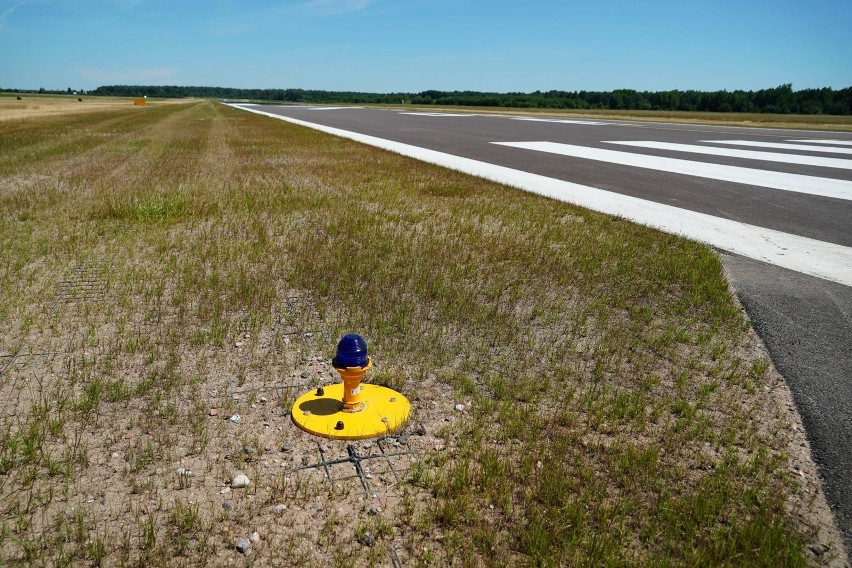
(776, 204)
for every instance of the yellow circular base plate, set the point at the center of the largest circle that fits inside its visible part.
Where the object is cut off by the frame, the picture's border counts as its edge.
(385, 411)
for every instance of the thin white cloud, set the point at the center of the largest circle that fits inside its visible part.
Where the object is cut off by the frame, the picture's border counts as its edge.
(8, 11)
(101, 76)
(333, 7)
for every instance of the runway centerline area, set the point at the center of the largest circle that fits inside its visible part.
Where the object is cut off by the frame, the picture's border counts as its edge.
(559, 121)
(838, 189)
(743, 154)
(783, 146)
(832, 142)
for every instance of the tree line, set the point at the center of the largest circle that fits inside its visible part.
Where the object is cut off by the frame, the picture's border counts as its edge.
(782, 99)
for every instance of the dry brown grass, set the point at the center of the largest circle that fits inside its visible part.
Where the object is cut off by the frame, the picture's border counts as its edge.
(31, 106)
(162, 263)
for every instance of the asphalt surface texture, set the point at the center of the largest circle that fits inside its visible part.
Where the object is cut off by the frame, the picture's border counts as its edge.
(805, 321)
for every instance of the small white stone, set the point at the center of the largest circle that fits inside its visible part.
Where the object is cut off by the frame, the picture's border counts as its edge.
(255, 537)
(240, 481)
(459, 407)
(280, 508)
(115, 454)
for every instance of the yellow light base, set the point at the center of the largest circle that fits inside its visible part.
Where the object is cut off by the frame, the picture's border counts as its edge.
(384, 412)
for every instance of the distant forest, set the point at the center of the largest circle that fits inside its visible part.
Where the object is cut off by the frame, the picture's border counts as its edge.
(782, 99)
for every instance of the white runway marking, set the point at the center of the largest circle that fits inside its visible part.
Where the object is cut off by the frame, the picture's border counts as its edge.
(745, 154)
(303, 107)
(434, 114)
(825, 187)
(560, 121)
(832, 142)
(330, 108)
(824, 260)
(780, 146)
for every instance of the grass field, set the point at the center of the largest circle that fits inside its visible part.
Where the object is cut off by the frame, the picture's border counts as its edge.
(16, 106)
(585, 391)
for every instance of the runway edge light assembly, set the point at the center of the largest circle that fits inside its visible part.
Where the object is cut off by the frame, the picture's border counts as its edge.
(351, 410)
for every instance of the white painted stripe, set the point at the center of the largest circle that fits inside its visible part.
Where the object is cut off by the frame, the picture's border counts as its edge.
(824, 260)
(780, 146)
(332, 108)
(434, 114)
(561, 121)
(745, 154)
(825, 187)
(832, 142)
(297, 107)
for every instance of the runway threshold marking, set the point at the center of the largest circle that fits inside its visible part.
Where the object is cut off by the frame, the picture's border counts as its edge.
(744, 154)
(810, 256)
(782, 146)
(823, 141)
(811, 185)
(434, 114)
(332, 108)
(561, 121)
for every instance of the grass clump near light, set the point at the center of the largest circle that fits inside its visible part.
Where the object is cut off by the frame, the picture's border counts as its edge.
(617, 408)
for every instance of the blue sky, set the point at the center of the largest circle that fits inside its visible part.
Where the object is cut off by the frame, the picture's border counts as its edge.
(414, 45)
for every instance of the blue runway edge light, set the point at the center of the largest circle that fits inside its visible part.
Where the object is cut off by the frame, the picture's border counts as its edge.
(351, 352)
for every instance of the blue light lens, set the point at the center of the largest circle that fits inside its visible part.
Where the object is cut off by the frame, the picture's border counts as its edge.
(351, 352)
